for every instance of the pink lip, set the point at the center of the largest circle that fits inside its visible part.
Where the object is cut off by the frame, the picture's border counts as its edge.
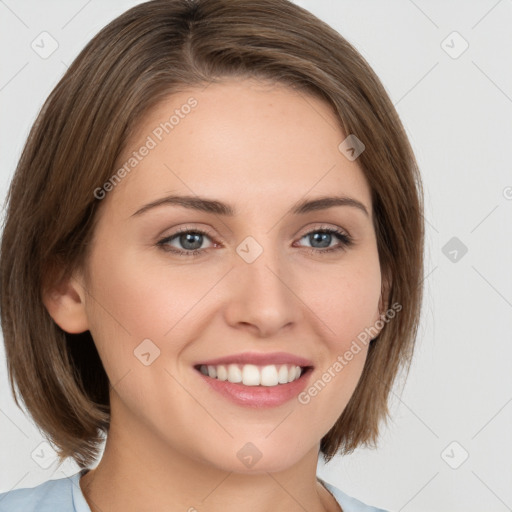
(258, 396)
(259, 359)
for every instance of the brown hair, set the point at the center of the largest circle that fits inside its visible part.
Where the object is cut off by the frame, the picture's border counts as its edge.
(149, 52)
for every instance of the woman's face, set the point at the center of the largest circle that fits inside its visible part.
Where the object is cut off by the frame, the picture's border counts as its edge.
(266, 278)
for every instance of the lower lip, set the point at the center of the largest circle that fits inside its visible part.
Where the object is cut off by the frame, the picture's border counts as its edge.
(258, 396)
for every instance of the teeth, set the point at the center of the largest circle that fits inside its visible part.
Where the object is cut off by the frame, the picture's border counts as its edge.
(252, 375)
(222, 373)
(282, 376)
(269, 375)
(234, 373)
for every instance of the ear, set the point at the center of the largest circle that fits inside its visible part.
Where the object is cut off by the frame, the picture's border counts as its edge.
(65, 302)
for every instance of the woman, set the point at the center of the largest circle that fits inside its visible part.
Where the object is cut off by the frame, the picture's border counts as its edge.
(218, 220)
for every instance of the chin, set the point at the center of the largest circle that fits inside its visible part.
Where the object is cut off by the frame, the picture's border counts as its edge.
(254, 458)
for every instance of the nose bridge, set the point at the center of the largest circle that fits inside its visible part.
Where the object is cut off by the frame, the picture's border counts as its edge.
(262, 290)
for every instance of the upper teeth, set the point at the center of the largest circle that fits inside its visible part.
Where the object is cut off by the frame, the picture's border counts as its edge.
(252, 375)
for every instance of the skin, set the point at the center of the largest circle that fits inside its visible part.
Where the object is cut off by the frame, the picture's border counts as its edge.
(173, 442)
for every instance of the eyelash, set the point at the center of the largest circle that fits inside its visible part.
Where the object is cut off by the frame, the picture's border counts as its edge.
(345, 241)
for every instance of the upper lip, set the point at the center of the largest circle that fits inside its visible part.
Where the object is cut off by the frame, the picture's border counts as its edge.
(259, 359)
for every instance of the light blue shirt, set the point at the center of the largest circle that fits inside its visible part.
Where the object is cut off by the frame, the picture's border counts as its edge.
(65, 495)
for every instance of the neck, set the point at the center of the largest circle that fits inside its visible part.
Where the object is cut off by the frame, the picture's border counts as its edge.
(139, 472)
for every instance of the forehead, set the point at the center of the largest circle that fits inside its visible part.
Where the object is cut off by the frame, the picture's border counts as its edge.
(243, 142)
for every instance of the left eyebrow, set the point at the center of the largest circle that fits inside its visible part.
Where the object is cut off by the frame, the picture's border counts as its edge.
(220, 208)
(323, 203)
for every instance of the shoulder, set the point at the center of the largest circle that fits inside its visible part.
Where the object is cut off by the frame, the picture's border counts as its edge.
(50, 496)
(348, 503)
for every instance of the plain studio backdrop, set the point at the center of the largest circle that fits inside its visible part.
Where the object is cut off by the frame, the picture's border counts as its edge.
(447, 68)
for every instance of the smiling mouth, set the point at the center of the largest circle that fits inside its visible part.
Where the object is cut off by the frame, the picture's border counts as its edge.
(255, 375)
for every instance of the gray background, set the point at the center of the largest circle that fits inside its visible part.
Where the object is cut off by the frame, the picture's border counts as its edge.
(457, 110)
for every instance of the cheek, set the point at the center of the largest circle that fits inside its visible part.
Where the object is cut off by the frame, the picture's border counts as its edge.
(145, 297)
(346, 307)
(137, 297)
(353, 306)
(345, 297)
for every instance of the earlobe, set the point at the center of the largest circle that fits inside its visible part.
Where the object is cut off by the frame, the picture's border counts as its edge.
(65, 302)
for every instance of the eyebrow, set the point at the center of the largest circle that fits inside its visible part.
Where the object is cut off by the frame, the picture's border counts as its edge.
(219, 208)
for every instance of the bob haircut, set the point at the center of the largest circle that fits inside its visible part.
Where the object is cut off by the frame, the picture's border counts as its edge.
(148, 53)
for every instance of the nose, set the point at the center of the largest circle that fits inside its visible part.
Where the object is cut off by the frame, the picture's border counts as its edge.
(263, 297)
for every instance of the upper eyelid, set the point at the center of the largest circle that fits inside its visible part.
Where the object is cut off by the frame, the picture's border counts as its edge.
(306, 231)
(212, 236)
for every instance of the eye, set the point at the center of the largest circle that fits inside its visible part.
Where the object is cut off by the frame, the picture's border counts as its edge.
(190, 241)
(321, 239)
